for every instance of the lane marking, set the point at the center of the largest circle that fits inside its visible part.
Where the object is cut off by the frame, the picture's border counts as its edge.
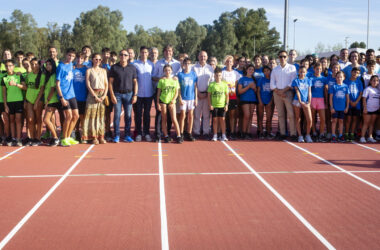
(233, 154)
(164, 220)
(310, 153)
(78, 156)
(11, 153)
(160, 155)
(41, 201)
(364, 146)
(285, 202)
(335, 166)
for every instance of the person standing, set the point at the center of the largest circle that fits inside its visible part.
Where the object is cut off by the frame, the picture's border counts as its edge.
(204, 74)
(281, 80)
(123, 91)
(343, 61)
(145, 93)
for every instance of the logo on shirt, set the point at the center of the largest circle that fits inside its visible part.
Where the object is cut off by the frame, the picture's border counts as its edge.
(69, 76)
(340, 94)
(187, 81)
(318, 84)
(354, 90)
(79, 77)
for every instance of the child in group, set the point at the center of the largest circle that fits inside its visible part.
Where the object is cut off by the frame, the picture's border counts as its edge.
(354, 59)
(371, 65)
(218, 99)
(272, 63)
(339, 102)
(248, 99)
(331, 81)
(355, 86)
(371, 96)
(188, 98)
(80, 90)
(325, 68)
(34, 103)
(167, 92)
(306, 63)
(318, 101)
(51, 100)
(258, 73)
(265, 98)
(66, 95)
(302, 99)
(12, 85)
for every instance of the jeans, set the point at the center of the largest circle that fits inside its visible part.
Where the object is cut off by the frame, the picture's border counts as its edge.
(124, 100)
(143, 103)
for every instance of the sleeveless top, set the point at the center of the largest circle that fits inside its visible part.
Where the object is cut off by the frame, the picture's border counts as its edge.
(97, 78)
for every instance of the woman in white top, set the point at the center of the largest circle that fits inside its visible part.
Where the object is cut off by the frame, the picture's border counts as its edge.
(371, 96)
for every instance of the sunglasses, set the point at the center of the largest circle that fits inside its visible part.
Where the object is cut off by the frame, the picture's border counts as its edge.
(123, 55)
(282, 56)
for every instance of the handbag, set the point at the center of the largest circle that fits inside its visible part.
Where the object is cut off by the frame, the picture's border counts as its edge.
(106, 101)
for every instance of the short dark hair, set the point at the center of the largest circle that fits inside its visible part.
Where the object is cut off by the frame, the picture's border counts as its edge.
(9, 61)
(113, 53)
(143, 47)
(267, 67)
(282, 51)
(167, 66)
(95, 54)
(187, 59)
(370, 51)
(20, 52)
(317, 64)
(70, 50)
(302, 67)
(106, 50)
(355, 69)
(217, 70)
(343, 50)
(371, 63)
(169, 46)
(246, 67)
(86, 47)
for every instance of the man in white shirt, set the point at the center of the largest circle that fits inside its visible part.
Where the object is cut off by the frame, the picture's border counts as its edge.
(281, 80)
(204, 73)
(343, 61)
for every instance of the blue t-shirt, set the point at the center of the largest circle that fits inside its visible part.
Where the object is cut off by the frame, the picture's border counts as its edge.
(297, 66)
(318, 86)
(339, 93)
(355, 87)
(265, 91)
(106, 66)
(348, 68)
(258, 74)
(330, 81)
(88, 64)
(303, 86)
(240, 71)
(249, 95)
(79, 82)
(187, 85)
(65, 76)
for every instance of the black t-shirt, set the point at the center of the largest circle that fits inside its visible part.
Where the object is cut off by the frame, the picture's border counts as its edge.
(123, 77)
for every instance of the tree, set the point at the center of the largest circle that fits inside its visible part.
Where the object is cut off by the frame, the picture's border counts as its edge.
(358, 45)
(189, 36)
(100, 28)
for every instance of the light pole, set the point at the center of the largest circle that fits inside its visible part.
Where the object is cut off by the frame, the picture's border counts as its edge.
(368, 25)
(286, 19)
(294, 35)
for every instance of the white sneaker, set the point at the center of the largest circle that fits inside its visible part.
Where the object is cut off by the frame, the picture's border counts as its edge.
(148, 138)
(300, 139)
(370, 139)
(308, 139)
(224, 138)
(215, 137)
(362, 140)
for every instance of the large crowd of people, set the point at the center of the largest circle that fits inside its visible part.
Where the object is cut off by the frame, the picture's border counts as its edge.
(318, 99)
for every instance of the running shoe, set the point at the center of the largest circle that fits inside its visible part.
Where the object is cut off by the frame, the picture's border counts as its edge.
(34, 142)
(46, 135)
(341, 138)
(224, 138)
(72, 141)
(54, 142)
(308, 139)
(148, 138)
(352, 136)
(179, 139)
(300, 139)
(109, 136)
(333, 139)
(65, 143)
(167, 139)
(189, 137)
(27, 142)
(322, 138)
(116, 139)
(138, 138)
(362, 140)
(215, 137)
(370, 139)
(8, 141)
(128, 139)
(18, 143)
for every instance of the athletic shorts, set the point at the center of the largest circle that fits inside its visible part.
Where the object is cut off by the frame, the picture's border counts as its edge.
(56, 105)
(318, 103)
(189, 105)
(373, 112)
(247, 102)
(338, 115)
(16, 107)
(2, 109)
(218, 112)
(72, 104)
(353, 112)
(81, 107)
(233, 104)
(296, 103)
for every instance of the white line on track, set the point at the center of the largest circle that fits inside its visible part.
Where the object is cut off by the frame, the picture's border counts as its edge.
(40, 202)
(335, 166)
(11, 153)
(285, 202)
(364, 146)
(164, 220)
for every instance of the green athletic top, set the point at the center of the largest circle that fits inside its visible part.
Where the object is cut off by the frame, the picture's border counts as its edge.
(1, 89)
(32, 91)
(50, 84)
(168, 88)
(19, 70)
(14, 93)
(2, 68)
(218, 94)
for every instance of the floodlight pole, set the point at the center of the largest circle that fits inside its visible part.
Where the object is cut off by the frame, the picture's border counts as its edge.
(286, 20)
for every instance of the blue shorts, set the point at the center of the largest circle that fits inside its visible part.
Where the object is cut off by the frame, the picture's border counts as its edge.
(338, 115)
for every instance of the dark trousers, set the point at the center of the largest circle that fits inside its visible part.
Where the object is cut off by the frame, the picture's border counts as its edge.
(143, 106)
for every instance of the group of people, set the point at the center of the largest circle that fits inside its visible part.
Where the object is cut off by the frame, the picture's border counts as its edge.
(85, 88)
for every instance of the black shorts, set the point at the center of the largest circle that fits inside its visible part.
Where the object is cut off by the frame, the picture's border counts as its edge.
(16, 107)
(56, 105)
(2, 109)
(72, 104)
(233, 104)
(218, 112)
(338, 115)
(373, 112)
(161, 102)
(353, 112)
(81, 107)
(247, 102)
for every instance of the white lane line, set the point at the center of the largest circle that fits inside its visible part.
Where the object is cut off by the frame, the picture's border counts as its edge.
(164, 220)
(364, 146)
(333, 165)
(11, 153)
(285, 202)
(121, 114)
(40, 202)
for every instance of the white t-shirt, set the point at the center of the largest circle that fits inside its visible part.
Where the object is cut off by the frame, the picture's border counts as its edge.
(367, 77)
(373, 98)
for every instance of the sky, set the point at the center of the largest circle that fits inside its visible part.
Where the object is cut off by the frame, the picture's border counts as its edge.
(328, 22)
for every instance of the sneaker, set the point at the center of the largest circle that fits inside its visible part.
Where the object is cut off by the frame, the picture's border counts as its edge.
(128, 139)
(377, 138)
(232, 137)
(300, 139)
(54, 142)
(247, 137)
(370, 139)
(224, 138)
(14, 142)
(352, 136)
(35, 142)
(190, 137)
(179, 139)
(46, 135)
(215, 137)
(18, 143)
(341, 138)
(333, 138)
(294, 138)
(157, 139)
(138, 138)
(328, 136)
(109, 136)
(72, 141)
(27, 142)
(167, 139)
(322, 138)
(347, 137)
(148, 138)
(362, 140)
(65, 143)
(116, 139)
(261, 136)
(8, 141)
(308, 139)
